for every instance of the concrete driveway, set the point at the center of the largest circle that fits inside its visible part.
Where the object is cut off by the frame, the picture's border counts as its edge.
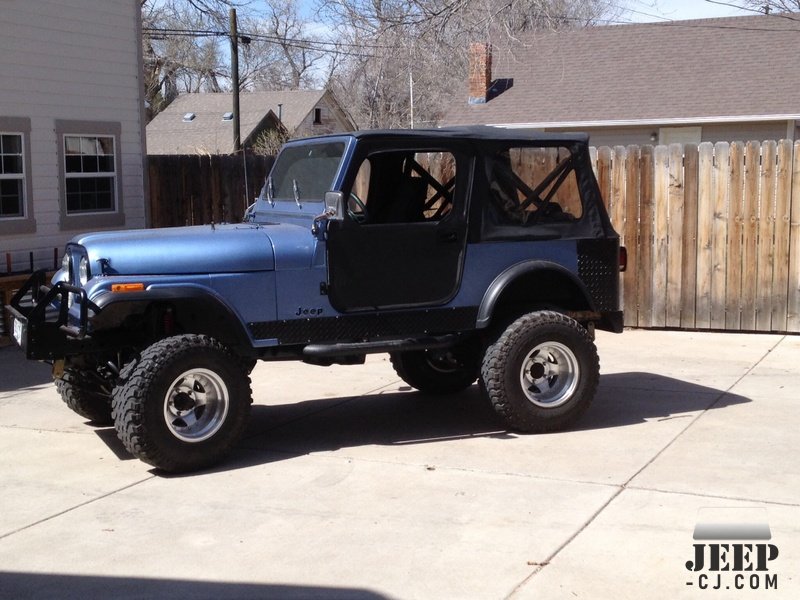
(349, 485)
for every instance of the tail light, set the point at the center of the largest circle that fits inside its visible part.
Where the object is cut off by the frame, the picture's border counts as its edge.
(623, 259)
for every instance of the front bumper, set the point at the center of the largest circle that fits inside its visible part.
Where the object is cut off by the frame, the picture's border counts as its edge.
(42, 323)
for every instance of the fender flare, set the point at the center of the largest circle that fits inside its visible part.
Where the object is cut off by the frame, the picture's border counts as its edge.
(216, 317)
(512, 274)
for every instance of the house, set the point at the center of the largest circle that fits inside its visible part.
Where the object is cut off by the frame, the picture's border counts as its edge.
(71, 125)
(708, 80)
(202, 123)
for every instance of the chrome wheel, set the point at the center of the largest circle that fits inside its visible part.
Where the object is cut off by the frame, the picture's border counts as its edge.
(550, 374)
(196, 405)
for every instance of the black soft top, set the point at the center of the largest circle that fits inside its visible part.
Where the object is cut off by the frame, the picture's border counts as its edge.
(471, 132)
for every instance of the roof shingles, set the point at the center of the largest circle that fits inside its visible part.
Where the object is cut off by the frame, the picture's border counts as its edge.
(729, 67)
(207, 133)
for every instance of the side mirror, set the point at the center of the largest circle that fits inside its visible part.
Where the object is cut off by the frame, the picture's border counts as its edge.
(334, 205)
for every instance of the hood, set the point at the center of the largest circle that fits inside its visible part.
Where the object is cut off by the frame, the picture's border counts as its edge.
(197, 250)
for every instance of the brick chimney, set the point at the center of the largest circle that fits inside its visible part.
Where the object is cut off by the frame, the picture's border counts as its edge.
(480, 72)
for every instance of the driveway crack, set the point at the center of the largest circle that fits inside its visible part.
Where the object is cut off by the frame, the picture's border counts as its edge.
(76, 507)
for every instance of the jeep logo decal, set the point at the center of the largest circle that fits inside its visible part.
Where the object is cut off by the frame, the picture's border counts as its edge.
(308, 312)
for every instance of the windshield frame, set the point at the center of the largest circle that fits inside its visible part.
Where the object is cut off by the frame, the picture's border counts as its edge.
(275, 209)
(307, 143)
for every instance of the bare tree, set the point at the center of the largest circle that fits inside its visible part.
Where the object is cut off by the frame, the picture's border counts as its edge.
(185, 48)
(284, 53)
(389, 47)
(371, 53)
(181, 48)
(775, 6)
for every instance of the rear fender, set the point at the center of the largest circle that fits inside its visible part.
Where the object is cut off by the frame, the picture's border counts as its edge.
(535, 284)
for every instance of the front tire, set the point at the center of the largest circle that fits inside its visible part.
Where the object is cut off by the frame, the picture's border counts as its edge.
(542, 373)
(184, 404)
(84, 393)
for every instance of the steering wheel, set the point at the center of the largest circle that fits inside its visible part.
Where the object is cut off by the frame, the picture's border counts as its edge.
(359, 213)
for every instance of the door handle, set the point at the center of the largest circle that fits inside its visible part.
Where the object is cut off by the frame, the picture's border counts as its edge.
(448, 237)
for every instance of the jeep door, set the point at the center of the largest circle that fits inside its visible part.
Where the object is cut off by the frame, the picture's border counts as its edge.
(402, 241)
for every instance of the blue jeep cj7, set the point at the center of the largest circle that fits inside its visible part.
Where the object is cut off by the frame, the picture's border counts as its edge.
(466, 254)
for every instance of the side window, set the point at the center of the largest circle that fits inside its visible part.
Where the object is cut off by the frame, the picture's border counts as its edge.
(403, 187)
(533, 185)
(90, 175)
(12, 176)
(16, 205)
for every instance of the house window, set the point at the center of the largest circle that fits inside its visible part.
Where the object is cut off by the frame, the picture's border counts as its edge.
(317, 116)
(90, 164)
(16, 206)
(89, 174)
(680, 135)
(12, 176)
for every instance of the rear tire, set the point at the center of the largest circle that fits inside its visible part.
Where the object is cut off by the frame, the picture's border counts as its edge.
(83, 392)
(184, 404)
(439, 371)
(542, 373)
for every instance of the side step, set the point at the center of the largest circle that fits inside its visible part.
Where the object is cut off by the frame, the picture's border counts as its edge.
(316, 352)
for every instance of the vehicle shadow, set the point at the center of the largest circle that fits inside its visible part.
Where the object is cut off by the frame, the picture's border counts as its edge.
(16, 372)
(41, 585)
(281, 432)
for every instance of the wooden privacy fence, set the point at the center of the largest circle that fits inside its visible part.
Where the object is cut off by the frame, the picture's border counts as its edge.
(197, 190)
(712, 232)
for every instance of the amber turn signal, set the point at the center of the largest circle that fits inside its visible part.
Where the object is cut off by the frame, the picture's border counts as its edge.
(127, 287)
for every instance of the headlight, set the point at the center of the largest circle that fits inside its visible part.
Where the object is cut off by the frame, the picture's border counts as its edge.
(66, 265)
(83, 270)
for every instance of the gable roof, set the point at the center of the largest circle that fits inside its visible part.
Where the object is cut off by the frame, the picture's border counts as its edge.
(207, 133)
(727, 69)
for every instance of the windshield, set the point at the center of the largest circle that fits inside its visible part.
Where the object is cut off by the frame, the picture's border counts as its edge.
(308, 169)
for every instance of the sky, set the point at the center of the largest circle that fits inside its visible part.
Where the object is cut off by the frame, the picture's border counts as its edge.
(649, 10)
(680, 10)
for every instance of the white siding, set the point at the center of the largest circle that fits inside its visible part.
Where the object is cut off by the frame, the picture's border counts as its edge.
(711, 132)
(76, 60)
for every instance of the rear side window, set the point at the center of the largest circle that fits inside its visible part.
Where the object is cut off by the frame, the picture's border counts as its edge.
(531, 185)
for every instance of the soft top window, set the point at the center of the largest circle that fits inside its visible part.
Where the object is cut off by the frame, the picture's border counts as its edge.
(309, 170)
(533, 185)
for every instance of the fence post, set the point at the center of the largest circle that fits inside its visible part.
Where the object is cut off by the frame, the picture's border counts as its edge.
(793, 314)
(691, 159)
(783, 203)
(719, 235)
(733, 272)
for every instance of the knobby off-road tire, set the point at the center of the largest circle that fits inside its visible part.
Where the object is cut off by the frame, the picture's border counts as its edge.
(439, 371)
(184, 404)
(542, 373)
(83, 392)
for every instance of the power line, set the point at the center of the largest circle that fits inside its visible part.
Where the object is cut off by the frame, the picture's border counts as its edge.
(298, 43)
(767, 12)
(340, 47)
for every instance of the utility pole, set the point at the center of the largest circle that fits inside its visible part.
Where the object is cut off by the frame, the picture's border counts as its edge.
(234, 34)
(411, 96)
